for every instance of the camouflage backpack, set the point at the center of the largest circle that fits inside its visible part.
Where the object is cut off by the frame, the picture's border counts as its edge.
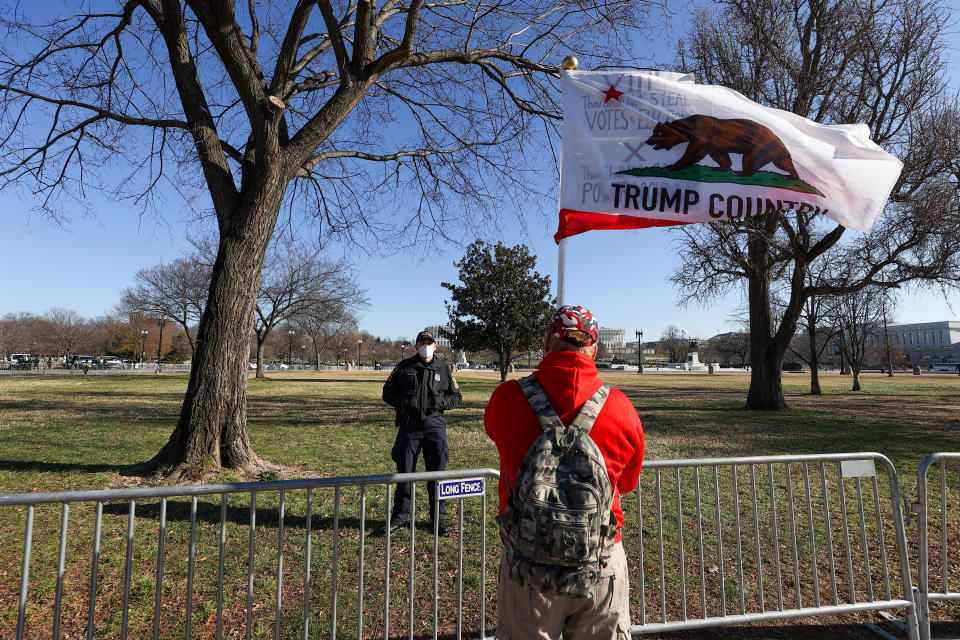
(558, 526)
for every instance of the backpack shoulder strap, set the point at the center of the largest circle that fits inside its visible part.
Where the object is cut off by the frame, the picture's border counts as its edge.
(533, 390)
(591, 409)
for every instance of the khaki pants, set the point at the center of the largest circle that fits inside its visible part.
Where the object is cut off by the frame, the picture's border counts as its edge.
(524, 613)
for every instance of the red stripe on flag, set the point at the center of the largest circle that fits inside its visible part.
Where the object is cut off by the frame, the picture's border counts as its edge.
(573, 222)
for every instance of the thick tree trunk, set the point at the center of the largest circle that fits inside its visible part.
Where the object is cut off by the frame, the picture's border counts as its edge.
(856, 380)
(766, 355)
(212, 429)
(766, 388)
(814, 361)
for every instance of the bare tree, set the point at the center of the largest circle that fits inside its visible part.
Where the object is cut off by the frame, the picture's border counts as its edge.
(816, 334)
(857, 316)
(16, 332)
(67, 332)
(833, 61)
(396, 118)
(327, 324)
(674, 344)
(888, 305)
(175, 290)
(817, 331)
(296, 281)
(733, 347)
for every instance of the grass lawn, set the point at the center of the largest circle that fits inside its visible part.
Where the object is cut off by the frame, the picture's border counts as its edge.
(66, 433)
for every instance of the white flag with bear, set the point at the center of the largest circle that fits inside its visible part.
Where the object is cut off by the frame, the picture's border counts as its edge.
(644, 149)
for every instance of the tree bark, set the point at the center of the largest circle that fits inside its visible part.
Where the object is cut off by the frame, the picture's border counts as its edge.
(212, 429)
(766, 388)
(766, 353)
(260, 342)
(814, 360)
(856, 380)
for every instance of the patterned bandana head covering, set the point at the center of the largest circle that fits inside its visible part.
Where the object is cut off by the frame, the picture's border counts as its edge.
(571, 317)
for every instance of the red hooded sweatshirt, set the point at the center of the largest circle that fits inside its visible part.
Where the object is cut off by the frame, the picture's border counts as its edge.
(569, 379)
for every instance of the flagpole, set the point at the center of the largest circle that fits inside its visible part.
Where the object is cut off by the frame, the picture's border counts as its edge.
(569, 63)
(561, 271)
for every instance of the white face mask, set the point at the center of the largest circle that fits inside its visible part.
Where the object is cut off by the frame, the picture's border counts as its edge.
(426, 350)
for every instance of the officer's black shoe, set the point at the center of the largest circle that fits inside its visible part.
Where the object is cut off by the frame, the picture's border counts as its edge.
(397, 524)
(442, 530)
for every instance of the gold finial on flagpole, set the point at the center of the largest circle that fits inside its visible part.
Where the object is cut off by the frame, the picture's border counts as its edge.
(569, 63)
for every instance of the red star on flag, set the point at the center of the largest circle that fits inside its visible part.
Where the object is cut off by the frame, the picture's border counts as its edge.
(612, 94)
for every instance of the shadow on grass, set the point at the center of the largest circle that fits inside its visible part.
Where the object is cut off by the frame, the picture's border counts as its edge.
(57, 467)
(312, 380)
(646, 407)
(78, 409)
(209, 513)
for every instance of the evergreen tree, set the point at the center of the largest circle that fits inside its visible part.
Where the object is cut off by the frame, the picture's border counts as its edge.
(502, 303)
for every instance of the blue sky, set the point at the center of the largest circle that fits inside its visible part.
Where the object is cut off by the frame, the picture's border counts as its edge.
(621, 276)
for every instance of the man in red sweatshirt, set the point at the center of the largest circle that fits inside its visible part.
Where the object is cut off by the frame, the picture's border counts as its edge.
(569, 377)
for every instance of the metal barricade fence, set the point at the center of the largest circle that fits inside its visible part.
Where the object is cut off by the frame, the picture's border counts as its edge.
(281, 559)
(940, 507)
(737, 540)
(718, 541)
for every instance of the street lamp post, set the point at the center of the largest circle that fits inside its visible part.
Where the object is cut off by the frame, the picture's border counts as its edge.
(359, 343)
(143, 343)
(160, 323)
(639, 333)
(290, 333)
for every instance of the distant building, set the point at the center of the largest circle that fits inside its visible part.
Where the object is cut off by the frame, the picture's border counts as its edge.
(441, 332)
(649, 348)
(613, 338)
(922, 342)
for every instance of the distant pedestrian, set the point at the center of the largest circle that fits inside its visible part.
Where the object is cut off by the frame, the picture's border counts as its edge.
(420, 388)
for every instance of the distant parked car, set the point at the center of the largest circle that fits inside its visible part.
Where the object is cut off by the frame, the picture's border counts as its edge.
(112, 362)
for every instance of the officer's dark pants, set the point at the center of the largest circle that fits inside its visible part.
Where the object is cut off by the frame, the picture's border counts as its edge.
(414, 436)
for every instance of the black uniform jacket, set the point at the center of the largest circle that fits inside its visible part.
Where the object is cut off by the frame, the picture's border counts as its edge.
(421, 389)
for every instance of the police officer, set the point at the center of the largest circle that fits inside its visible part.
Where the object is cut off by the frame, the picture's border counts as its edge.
(420, 388)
